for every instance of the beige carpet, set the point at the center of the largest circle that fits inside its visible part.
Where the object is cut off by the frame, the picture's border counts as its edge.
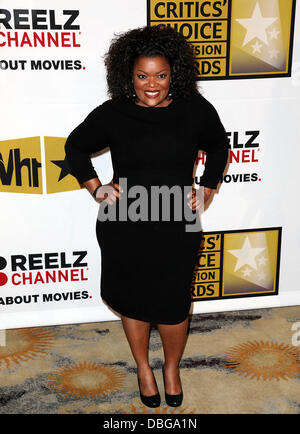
(234, 363)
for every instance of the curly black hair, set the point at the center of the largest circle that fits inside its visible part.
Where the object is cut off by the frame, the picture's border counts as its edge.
(150, 41)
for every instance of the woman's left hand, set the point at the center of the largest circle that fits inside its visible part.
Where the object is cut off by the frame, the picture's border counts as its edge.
(197, 198)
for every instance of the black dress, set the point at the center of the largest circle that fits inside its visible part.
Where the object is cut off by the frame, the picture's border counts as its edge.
(147, 265)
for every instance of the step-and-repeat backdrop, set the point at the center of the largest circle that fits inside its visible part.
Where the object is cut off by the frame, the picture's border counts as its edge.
(52, 75)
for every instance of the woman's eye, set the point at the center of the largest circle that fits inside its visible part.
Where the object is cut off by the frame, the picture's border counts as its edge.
(143, 76)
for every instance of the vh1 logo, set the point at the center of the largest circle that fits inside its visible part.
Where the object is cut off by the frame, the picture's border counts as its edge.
(21, 166)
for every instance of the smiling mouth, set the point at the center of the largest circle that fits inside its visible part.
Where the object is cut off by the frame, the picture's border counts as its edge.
(152, 94)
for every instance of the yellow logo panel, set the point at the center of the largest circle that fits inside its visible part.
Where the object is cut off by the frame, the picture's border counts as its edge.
(237, 263)
(260, 37)
(232, 38)
(20, 166)
(58, 176)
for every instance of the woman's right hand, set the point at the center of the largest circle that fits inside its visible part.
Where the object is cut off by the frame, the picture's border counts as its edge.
(109, 192)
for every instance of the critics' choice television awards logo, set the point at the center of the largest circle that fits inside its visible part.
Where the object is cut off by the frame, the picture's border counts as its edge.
(21, 166)
(237, 264)
(233, 38)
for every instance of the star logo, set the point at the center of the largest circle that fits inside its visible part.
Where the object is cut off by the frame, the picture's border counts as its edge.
(250, 261)
(256, 25)
(247, 271)
(246, 255)
(261, 276)
(273, 33)
(57, 167)
(262, 261)
(63, 165)
(273, 53)
(256, 47)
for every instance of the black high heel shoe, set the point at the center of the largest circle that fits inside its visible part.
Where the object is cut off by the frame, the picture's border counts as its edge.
(172, 400)
(150, 401)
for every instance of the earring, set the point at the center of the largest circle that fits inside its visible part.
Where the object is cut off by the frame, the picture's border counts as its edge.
(170, 89)
(133, 93)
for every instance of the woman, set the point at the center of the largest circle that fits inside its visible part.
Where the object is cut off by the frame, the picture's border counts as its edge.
(155, 123)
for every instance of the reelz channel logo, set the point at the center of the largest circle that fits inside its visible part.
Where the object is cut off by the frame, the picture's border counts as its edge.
(39, 28)
(43, 268)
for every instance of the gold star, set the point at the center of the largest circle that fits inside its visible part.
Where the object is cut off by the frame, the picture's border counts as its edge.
(246, 255)
(256, 25)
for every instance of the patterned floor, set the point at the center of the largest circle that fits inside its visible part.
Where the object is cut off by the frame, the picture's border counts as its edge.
(234, 363)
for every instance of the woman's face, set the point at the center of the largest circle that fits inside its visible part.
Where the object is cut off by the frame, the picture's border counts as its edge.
(151, 81)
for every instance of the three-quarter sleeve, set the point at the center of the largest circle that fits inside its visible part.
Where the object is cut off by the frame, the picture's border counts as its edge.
(87, 138)
(214, 142)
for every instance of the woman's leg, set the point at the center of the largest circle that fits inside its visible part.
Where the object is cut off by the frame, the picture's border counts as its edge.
(137, 333)
(174, 337)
